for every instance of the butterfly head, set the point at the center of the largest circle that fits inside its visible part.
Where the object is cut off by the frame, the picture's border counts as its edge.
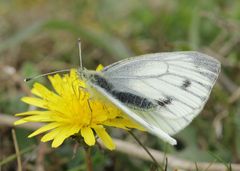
(85, 74)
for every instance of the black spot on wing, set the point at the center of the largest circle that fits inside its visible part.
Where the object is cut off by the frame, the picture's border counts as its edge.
(164, 102)
(186, 84)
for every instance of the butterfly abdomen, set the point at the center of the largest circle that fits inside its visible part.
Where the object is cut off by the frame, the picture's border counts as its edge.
(125, 97)
(102, 82)
(133, 100)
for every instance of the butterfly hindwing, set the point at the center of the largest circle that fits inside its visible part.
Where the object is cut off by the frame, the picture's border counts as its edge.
(135, 116)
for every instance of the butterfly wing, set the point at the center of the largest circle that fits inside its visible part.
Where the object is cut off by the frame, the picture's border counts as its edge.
(161, 91)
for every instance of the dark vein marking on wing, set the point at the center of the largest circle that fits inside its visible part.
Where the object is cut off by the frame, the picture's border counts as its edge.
(148, 116)
(181, 116)
(173, 98)
(214, 69)
(122, 62)
(203, 61)
(176, 99)
(169, 125)
(208, 87)
(177, 87)
(208, 75)
(195, 69)
(206, 62)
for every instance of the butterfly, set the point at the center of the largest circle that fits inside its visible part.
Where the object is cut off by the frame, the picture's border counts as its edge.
(162, 92)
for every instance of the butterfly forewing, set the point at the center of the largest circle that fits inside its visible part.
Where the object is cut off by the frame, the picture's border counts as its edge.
(164, 90)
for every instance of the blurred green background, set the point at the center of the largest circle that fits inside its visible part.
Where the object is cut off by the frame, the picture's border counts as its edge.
(41, 36)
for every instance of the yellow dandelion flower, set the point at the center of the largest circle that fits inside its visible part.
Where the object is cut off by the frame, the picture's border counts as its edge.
(71, 110)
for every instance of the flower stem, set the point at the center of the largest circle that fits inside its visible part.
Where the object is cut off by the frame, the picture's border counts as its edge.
(88, 158)
(145, 148)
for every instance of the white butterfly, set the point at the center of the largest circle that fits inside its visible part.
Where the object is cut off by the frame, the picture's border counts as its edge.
(163, 92)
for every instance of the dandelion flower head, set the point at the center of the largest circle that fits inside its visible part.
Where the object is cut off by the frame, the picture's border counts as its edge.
(71, 110)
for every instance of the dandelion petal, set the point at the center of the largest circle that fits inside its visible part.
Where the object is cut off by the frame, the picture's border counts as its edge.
(56, 82)
(20, 121)
(65, 133)
(58, 140)
(44, 129)
(107, 140)
(34, 101)
(88, 136)
(51, 135)
(99, 67)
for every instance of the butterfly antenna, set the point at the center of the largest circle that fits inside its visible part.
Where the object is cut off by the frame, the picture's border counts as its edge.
(80, 53)
(42, 75)
(80, 57)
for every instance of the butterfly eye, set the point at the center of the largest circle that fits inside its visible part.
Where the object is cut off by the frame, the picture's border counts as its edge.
(82, 73)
